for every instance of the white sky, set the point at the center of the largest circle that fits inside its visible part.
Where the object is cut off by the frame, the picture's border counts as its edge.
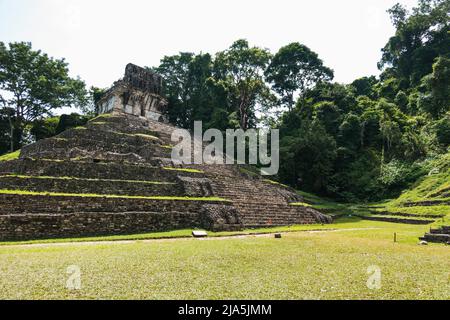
(99, 37)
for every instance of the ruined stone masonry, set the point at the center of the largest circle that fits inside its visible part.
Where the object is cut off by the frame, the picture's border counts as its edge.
(115, 176)
(138, 93)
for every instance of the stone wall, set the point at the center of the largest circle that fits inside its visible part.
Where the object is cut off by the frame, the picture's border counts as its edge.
(100, 170)
(143, 79)
(39, 226)
(20, 204)
(138, 93)
(97, 144)
(66, 185)
(31, 217)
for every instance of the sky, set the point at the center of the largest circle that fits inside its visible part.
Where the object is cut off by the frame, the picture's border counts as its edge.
(99, 37)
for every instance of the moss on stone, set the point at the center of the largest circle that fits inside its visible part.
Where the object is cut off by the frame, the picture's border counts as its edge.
(104, 115)
(93, 195)
(85, 179)
(142, 135)
(10, 156)
(183, 170)
(300, 204)
(275, 182)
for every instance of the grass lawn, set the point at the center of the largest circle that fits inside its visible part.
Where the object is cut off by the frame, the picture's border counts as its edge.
(301, 265)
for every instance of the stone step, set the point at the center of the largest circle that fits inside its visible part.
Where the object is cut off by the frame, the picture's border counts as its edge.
(81, 224)
(442, 230)
(58, 204)
(92, 170)
(79, 148)
(402, 214)
(92, 186)
(436, 237)
(397, 220)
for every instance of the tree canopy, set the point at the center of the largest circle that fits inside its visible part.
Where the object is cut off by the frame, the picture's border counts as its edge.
(33, 84)
(295, 68)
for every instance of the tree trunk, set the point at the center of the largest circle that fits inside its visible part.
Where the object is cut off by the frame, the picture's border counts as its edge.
(243, 112)
(11, 133)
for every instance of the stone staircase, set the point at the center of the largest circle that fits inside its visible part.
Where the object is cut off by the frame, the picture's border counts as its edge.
(440, 235)
(260, 203)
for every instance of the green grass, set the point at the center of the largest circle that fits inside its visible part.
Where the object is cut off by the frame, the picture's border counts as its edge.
(328, 206)
(432, 187)
(10, 156)
(419, 210)
(301, 265)
(275, 182)
(183, 170)
(93, 195)
(142, 135)
(102, 116)
(85, 179)
(145, 136)
(300, 204)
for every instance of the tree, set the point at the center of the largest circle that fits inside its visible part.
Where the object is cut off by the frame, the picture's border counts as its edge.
(308, 156)
(44, 128)
(365, 86)
(35, 84)
(241, 70)
(437, 101)
(421, 36)
(6, 117)
(442, 128)
(95, 94)
(189, 88)
(175, 71)
(67, 121)
(293, 69)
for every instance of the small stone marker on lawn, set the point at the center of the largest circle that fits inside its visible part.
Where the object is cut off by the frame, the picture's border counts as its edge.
(277, 235)
(199, 234)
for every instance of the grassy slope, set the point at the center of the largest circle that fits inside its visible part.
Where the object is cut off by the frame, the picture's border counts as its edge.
(329, 264)
(433, 187)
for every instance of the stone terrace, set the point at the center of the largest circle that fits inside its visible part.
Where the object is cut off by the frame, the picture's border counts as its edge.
(115, 176)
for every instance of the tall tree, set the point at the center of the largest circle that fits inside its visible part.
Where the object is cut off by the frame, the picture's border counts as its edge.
(437, 83)
(35, 84)
(294, 69)
(241, 70)
(421, 36)
(175, 71)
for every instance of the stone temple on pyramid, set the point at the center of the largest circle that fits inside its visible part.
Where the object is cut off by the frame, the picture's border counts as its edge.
(139, 93)
(115, 176)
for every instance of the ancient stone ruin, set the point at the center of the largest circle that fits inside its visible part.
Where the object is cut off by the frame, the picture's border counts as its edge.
(139, 93)
(115, 176)
(439, 235)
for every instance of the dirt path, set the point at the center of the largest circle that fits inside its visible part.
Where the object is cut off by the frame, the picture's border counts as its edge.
(108, 242)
